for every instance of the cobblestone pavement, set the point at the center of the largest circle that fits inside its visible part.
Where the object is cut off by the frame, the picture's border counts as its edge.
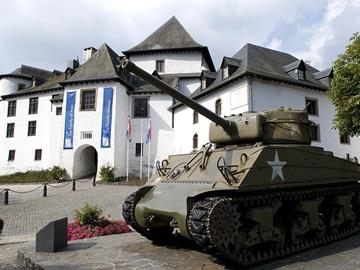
(27, 213)
(131, 251)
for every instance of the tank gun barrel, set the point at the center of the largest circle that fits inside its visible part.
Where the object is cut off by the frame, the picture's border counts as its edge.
(128, 65)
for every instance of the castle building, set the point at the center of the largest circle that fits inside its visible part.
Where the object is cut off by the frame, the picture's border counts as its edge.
(78, 118)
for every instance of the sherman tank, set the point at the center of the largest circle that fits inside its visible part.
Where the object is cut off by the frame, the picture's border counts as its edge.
(256, 192)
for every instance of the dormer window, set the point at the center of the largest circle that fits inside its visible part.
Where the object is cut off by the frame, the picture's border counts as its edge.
(203, 83)
(225, 72)
(160, 66)
(301, 74)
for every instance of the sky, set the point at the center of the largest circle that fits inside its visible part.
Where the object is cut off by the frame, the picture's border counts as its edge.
(47, 33)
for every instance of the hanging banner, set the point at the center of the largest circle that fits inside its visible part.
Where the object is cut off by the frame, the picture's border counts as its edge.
(106, 118)
(69, 120)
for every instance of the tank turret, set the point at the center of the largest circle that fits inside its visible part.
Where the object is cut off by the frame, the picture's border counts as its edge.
(270, 127)
(262, 194)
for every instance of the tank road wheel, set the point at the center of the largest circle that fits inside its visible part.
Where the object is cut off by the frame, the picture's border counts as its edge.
(159, 235)
(299, 227)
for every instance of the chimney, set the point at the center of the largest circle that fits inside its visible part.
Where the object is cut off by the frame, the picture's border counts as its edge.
(87, 53)
(73, 64)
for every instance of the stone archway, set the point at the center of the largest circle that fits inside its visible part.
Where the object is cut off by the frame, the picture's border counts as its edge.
(85, 161)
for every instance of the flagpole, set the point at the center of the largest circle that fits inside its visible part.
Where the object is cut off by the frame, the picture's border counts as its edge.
(127, 159)
(141, 147)
(149, 147)
(127, 150)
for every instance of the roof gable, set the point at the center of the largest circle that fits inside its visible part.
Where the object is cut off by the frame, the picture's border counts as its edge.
(171, 35)
(102, 65)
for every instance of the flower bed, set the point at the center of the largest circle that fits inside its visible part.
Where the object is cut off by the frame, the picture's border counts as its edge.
(77, 231)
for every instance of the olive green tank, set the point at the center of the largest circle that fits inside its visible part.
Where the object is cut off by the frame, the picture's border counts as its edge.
(258, 191)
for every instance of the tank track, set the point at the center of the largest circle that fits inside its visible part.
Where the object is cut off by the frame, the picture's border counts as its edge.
(128, 212)
(214, 223)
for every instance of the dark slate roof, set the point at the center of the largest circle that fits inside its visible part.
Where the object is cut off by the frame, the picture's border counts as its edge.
(28, 73)
(52, 84)
(103, 65)
(208, 74)
(142, 87)
(294, 65)
(230, 61)
(323, 74)
(263, 63)
(170, 36)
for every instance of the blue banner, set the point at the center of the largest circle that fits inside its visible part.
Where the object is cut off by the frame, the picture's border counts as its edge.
(106, 118)
(69, 120)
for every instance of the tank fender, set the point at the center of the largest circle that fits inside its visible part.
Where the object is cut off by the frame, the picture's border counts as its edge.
(144, 190)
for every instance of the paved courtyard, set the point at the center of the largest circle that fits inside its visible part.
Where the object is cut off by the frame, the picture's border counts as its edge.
(27, 213)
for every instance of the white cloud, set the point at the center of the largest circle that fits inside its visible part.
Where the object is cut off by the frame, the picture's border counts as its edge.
(274, 44)
(46, 33)
(329, 30)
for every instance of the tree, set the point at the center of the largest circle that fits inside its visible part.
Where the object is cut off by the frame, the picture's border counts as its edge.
(345, 89)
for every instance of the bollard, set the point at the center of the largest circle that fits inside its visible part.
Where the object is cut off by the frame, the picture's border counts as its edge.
(94, 181)
(6, 196)
(73, 185)
(45, 190)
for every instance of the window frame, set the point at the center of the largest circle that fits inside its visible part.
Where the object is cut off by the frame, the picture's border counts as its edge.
(32, 128)
(11, 155)
(316, 105)
(8, 134)
(161, 63)
(147, 107)
(303, 76)
(82, 91)
(37, 156)
(225, 72)
(56, 110)
(203, 83)
(347, 141)
(195, 141)
(318, 133)
(11, 108)
(138, 151)
(33, 107)
(218, 106)
(195, 117)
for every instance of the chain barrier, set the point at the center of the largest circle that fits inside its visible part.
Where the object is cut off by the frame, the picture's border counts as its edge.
(24, 192)
(45, 185)
(50, 185)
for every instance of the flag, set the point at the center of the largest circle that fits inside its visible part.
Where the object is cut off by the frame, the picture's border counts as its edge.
(128, 131)
(148, 132)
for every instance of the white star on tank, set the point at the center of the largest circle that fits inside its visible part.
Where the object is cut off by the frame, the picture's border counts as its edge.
(276, 166)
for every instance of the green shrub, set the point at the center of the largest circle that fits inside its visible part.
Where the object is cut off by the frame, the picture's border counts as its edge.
(90, 215)
(25, 177)
(107, 173)
(56, 173)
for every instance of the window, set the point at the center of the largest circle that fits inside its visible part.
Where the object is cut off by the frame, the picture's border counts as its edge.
(11, 156)
(86, 135)
(195, 117)
(38, 153)
(344, 138)
(139, 150)
(160, 66)
(88, 100)
(218, 107)
(203, 83)
(315, 132)
(11, 108)
(195, 141)
(33, 105)
(140, 107)
(301, 74)
(225, 72)
(32, 128)
(58, 110)
(311, 106)
(21, 86)
(10, 129)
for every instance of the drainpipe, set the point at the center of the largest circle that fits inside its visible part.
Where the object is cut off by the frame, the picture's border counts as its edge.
(250, 94)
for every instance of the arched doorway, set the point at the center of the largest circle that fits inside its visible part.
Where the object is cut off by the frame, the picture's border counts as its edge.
(85, 161)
